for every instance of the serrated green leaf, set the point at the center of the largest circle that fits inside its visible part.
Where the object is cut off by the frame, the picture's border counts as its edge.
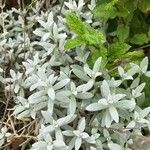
(105, 10)
(72, 43)
(95, 54)
(117, 49)
(86, 34)
(75, 24)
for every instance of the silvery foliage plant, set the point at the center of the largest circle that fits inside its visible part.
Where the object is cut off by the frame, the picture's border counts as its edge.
(79, 107)
(3, 135)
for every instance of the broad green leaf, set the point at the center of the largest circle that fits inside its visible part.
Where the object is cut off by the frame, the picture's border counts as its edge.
(122, 32)
(122, 11)
(96, 53)
(139, 39)
(117, 49)
(134, 56)
(146, 91)
(103, 11)
(149, 33)
(144, 5)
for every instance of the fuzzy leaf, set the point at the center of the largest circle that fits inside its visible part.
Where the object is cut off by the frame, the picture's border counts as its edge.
(51, 93)
(105, 90)
(114, 114)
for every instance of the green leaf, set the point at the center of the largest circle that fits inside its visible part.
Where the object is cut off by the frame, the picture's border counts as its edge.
(135, 56)
(122, 11)
(149, 33)
(146, 91)
(95, 54)
(72, 43)
(86, 34)
(139, 39)
(107, 9)
(144, 5)
(117, 49)
(102, 11)
(93, 37)
(122, 32)
(75, 24)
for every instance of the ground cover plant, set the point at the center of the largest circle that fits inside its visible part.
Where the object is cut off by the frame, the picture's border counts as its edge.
(74, 75)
